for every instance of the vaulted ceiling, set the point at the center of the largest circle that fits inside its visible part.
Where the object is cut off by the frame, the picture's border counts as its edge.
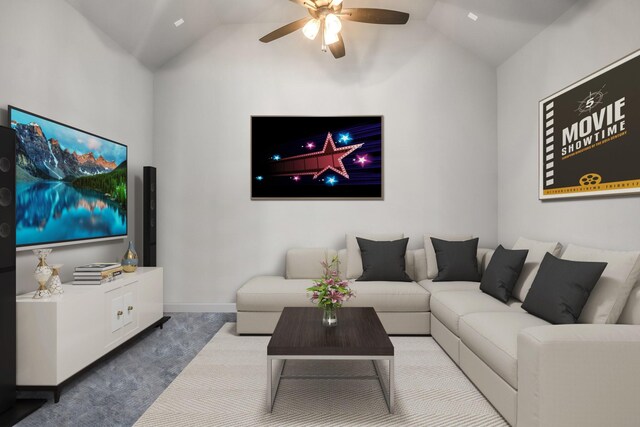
(146, 29)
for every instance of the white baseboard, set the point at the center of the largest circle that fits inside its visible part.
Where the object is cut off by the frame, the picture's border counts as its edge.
(195, 307)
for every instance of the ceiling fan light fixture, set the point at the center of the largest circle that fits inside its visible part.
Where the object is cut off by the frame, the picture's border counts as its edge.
(311, 29)
(332, 24)
(325, 18)
(330, 38)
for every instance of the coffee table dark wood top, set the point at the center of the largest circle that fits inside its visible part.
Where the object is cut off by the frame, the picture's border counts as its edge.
(359, 332)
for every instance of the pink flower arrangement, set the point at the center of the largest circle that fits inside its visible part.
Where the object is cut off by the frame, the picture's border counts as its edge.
(330, 292)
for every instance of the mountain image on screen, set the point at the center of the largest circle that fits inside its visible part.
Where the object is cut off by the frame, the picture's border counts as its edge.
(70, 185)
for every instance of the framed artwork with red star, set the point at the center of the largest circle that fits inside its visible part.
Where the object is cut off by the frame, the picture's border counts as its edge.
(316, 157)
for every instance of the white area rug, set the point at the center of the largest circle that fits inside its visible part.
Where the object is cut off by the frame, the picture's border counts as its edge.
(225, 385)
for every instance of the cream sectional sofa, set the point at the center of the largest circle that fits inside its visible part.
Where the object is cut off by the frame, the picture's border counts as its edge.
(403, 307)
(532, 372)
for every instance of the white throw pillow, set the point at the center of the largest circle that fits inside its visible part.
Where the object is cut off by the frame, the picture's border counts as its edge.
(354, 257)
(432, 261)
(537, 250)
(610, 294)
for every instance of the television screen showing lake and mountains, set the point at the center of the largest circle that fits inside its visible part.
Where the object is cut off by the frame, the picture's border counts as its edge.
(70, 185)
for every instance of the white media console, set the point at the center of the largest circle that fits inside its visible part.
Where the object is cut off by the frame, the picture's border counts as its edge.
(60, 336)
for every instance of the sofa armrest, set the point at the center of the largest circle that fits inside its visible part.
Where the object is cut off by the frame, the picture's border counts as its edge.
(579, 375)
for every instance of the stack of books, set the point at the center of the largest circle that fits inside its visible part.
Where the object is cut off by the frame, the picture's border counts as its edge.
(96, 273)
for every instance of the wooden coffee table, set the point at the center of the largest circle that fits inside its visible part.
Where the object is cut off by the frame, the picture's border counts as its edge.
(299, 335)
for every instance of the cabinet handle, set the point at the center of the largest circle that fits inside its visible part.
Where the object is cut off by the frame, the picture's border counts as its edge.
(120, 313)
(130, 308)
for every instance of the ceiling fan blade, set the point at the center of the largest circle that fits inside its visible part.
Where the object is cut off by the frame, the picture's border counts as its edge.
(375, 16)
(283, 31)
(309, 4)
(337, 48)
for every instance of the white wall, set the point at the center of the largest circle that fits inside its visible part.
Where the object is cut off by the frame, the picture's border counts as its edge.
(439, 107)
(588, 37)
(56, 64)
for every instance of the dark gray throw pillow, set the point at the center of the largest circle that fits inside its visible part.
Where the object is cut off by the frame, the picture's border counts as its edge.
(456, 260)
(561, 289)
(383, 261)
(502, 273)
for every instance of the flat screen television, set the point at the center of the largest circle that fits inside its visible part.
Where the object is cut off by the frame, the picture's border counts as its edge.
(71, 185)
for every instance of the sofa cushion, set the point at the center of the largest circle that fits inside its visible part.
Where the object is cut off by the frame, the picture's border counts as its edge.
(561, 289)
(430, 253)
(537, 250)
(383, 260)
(457, 260)
(493, 337)
(305, 263)
(449, 307)
(434, 287)
(390, 296)
(610, 294)
(354, 258)
(502, 273)
(273, 293)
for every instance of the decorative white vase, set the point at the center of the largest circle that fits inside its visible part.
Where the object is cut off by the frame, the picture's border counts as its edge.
(42, 273)
(55, 284)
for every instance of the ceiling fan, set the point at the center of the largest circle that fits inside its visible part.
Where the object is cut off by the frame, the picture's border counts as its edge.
(326, 20)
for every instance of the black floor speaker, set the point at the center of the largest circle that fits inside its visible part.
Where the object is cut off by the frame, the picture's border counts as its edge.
(149, 220)
(7, 269)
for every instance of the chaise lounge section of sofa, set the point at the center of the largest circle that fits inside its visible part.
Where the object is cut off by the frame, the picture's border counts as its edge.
(538, 374)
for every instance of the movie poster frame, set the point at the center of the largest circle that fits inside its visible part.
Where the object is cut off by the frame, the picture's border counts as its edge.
(542, 120)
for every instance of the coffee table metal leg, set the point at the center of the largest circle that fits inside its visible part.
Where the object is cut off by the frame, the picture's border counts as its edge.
(392, 386)
(273, 385)
(269, 387)
(387, 390)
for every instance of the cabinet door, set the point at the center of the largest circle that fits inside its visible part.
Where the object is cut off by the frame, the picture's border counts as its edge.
(117, 313)
(131, 310)
(129, 307)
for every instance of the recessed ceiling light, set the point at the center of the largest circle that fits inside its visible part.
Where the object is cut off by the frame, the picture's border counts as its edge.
(179, 22)
(472, 16)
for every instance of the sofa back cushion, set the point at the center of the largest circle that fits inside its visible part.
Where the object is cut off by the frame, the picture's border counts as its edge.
(354, 258)
(537, 251)
(342, 266)
(305, 263)
(432, 261)
(608, 298)
(631, 312)
(420, 264)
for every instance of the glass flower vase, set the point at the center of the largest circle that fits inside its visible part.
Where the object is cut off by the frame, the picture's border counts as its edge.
(330, 317)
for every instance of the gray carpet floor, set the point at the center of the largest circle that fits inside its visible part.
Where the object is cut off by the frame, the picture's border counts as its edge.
(119, 390)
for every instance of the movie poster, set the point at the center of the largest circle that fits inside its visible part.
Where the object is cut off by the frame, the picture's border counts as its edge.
(316, 157)
(590, 135)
